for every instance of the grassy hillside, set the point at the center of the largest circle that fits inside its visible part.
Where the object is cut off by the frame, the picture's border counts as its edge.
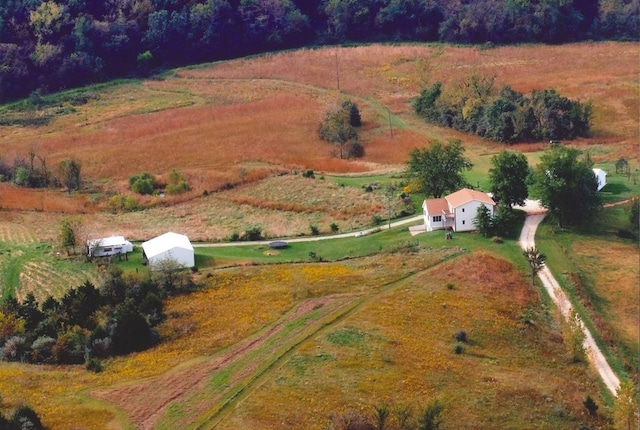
(296, 341)
(265, 345)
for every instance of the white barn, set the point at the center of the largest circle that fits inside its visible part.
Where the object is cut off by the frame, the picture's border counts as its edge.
(456, 211)
(169, 246)
(601, 176)
(107, 246)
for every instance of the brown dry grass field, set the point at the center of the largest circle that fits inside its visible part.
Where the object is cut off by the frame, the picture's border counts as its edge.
(243, 120)
(252, 122)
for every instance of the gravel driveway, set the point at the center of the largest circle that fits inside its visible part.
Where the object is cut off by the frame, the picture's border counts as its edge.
(535, 215)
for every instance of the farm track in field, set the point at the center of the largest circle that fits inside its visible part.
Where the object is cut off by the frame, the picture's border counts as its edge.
(184, 398)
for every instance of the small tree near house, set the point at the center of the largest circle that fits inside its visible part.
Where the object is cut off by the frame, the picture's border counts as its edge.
(483, 221)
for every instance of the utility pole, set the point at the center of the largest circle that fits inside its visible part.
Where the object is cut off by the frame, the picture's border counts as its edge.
(389, 193)
(337, 74)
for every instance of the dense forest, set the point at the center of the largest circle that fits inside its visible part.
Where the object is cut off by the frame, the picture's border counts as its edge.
(50, 45)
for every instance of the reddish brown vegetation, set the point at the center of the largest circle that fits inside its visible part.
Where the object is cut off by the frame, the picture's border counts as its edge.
(240, 120)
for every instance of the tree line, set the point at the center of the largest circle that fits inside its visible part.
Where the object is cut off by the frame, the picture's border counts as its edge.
(473, 105)
(33, 171)
(50, 45)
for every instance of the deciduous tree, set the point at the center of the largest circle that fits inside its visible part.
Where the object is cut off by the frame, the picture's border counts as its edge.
(71, 174)
(567, 186)
(536, 261)
(625, 409)
(574, 336)
(508, 178)
(70, 233)
(438, 170)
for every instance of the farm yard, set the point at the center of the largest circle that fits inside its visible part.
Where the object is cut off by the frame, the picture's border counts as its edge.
(328, 329)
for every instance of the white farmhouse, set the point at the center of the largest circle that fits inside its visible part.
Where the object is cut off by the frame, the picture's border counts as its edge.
(456, 211)
(601, 176)
(169, 246)
(107, 246)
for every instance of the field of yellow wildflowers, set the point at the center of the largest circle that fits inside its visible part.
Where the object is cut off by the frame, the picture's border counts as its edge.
(262, 346)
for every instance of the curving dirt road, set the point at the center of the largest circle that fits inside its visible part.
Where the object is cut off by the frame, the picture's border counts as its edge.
(535, 215)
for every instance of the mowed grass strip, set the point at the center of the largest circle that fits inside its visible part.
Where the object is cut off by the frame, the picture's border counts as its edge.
(599, 271)
(399, 349)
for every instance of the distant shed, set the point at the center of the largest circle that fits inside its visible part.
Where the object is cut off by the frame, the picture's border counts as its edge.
(169, 246)
(601, 176)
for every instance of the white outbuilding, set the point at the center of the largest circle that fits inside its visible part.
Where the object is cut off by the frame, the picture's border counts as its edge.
(107, 246)
(601, 176)
(169, 246)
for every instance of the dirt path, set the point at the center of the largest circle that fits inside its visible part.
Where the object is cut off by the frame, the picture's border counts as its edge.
(535, 215)
(145, 402)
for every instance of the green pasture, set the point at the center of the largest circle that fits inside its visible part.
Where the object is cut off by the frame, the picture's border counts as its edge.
(352, 247)
(558, 245)
(44, 271)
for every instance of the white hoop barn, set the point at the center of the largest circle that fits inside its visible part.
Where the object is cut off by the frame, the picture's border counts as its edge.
(169, 246)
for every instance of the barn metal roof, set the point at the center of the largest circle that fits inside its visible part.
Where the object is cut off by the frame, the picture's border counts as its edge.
(166, 242)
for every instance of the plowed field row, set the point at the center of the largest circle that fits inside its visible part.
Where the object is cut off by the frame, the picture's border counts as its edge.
(15, 233)
(43, 280)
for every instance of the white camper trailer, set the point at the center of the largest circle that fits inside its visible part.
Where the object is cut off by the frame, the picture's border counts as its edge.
(108, 246)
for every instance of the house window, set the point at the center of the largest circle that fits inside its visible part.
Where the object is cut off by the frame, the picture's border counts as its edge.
(437, 218)
(462, 221)
(462, 209)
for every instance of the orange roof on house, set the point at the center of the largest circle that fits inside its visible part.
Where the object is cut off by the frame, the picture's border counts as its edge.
(466, 195)
(437, 206)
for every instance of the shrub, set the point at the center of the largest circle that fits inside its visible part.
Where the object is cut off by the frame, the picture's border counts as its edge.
(355, 150)
(314, 230)
(626, 234)
(177, 184)
(26, 418)
(461, 336)
(120, 202)
(497, 239)
(14, 349)
(179, 188)
(591, 405)
(376, 219)
(459, 348)
(334, 227)
(41, 349)
(308, 174)
(142, 184)
(93, 365)
(253, 233)
(235, 236)
(450, 286)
